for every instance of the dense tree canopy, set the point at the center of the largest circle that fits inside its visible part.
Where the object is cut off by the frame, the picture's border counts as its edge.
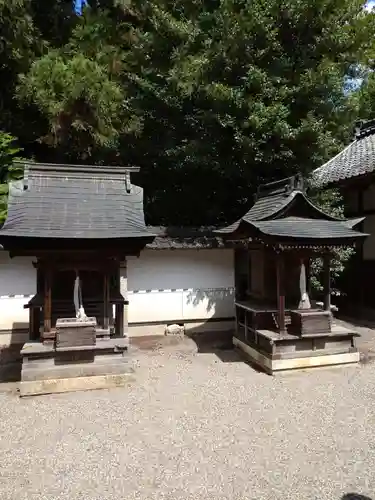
(209, 97)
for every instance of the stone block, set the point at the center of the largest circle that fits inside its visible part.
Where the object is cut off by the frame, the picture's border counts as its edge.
(174, 330)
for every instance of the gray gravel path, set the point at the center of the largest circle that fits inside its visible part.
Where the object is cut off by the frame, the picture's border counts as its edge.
(195, 427)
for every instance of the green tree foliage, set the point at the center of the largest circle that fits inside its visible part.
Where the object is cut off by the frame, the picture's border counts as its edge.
(9, 170)
(28, 30)
(364, 99)
(79, 90)
(20, 44)
(55, 20)
(209, 97)
(242, 93)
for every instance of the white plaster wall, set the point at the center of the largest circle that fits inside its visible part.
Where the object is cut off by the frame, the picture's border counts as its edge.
(369, 243)
(17, 286)
(164, 286)
(180, 285)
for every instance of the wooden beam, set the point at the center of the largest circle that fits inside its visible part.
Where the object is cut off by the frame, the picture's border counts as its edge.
(88, 262)
(115, 253)
(280, 291)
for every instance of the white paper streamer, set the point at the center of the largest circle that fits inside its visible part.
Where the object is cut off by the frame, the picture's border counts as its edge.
(305, 301)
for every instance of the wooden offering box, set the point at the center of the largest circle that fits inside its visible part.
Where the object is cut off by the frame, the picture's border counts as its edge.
(310, 322)
(71, 333)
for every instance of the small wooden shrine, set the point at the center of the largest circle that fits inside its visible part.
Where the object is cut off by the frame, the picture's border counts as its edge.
(278, 326)
(79, 223)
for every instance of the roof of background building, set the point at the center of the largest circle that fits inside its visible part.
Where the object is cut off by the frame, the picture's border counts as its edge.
(282, 211)
(354, 161)
(195, 238)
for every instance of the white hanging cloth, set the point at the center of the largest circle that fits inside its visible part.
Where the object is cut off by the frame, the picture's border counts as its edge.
(305, 301)
(77, 298)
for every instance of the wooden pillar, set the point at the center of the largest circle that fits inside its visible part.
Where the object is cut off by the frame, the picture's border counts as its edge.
(327, 282)
(110, 306)
(120, 308)
(119, 320)
(47, 309)
(360, 278)
(34, 312)
(34, 323)
(123, 284)
(308, 274)
(106, 301)
(280, 291)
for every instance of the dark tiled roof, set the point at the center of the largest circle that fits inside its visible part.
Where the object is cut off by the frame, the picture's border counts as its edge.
(70, 201)
(269, 206)
(353, 223)
(282, 210)
(275, 200)
(184, 238)
(355, 160)
(301, 228)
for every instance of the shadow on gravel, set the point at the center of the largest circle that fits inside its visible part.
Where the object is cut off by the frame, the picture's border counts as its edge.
(220, 344)
(209, 341)
(359, 322)
(367, 357)
(10, 363)
(355, 496)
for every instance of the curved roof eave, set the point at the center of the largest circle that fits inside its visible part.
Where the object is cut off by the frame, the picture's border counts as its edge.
(353, 223)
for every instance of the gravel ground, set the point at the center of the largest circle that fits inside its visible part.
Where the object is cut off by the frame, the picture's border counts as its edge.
(194, 426)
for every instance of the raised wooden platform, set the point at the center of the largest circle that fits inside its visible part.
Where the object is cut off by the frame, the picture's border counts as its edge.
(275, 352)
(271, 365)
(309, 338)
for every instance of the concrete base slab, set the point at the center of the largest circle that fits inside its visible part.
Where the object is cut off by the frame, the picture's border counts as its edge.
(272, 366)
(53, 386)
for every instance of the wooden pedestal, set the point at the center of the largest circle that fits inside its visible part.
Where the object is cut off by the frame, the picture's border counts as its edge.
(47, 369)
